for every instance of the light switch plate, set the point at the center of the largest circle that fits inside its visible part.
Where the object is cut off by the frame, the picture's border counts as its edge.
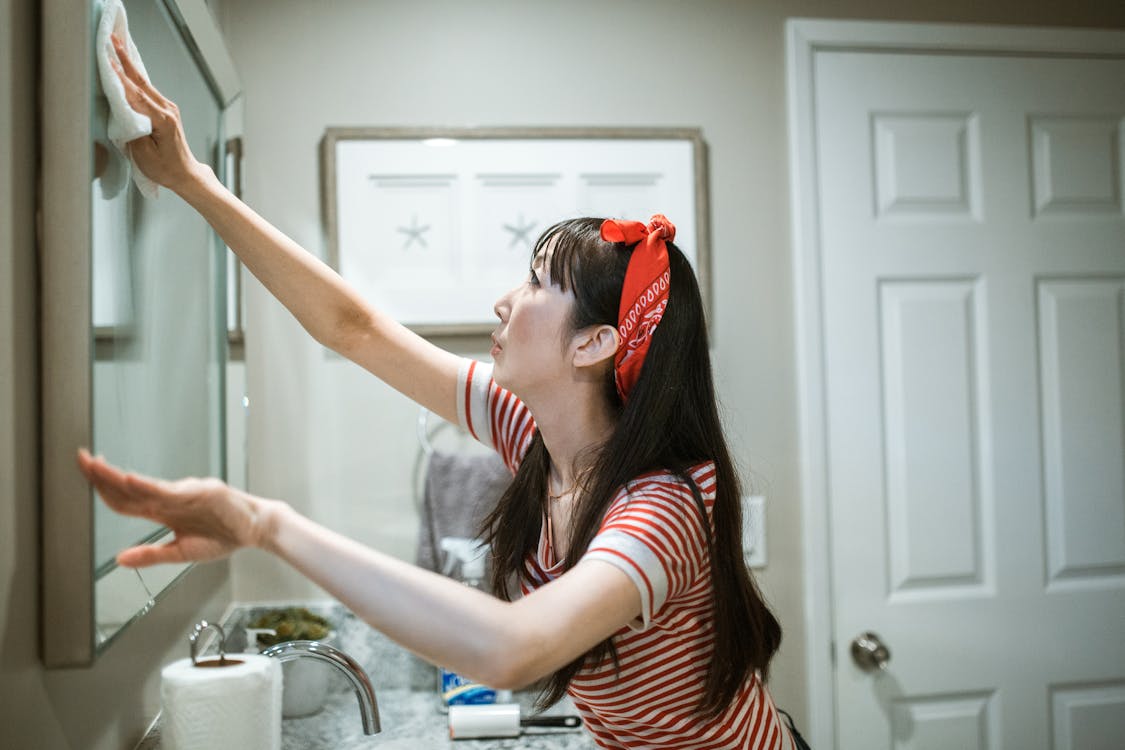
(754, 530)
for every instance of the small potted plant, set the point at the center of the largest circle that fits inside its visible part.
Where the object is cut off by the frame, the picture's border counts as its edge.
(305, 681)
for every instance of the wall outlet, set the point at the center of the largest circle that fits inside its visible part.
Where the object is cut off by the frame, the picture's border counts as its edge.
(754, 530)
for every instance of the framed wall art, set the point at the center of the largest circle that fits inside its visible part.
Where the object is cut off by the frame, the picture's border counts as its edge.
(434, 224)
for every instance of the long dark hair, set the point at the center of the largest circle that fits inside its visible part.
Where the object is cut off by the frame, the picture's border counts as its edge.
(670, 423)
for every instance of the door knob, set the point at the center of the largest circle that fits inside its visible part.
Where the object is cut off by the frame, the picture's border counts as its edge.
(869, 652)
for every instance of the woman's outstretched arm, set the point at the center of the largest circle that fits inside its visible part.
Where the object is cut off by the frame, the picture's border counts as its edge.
(328, 308)
(501, 644)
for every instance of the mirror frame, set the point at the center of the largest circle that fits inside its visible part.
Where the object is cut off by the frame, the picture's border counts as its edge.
(68, 69)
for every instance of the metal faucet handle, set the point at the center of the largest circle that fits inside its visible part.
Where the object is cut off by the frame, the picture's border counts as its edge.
(364, 692)
(193, 639)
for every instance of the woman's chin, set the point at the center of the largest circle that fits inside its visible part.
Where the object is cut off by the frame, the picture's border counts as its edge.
(500, 374)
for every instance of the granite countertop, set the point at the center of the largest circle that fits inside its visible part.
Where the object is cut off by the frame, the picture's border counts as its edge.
(406, 691)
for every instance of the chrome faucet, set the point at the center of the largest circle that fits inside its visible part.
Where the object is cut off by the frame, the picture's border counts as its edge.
(364, 692)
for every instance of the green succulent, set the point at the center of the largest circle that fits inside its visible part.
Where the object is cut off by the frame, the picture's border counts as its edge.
(291, 624)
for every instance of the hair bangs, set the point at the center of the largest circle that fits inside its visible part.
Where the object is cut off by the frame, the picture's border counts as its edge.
(572, 239)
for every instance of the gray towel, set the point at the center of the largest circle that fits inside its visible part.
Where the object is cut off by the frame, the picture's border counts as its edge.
(460, 491)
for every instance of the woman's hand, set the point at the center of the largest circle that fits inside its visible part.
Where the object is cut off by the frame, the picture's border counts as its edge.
(164, 156)
(210, 520)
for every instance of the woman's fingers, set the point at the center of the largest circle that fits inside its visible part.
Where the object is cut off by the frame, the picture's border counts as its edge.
(137, 97)
(140, 79)
(183, 548)
(125, 62)
(84, 459)
(175, 551)
(144, 555)
(207, 520)
(104, 477)
(164, 156)
(142, 486)
(114, 486)
(140, 94)
(134, 74)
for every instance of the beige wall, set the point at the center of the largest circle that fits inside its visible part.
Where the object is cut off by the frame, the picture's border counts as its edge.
(323, 435)
(340, 446)
(109, 706)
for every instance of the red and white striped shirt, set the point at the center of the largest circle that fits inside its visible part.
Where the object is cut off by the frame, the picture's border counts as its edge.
(652, 532)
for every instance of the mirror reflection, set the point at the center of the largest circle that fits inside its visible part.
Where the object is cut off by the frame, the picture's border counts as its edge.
(159, 322)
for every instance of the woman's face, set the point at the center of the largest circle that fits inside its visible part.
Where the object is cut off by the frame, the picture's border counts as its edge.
(529, 346)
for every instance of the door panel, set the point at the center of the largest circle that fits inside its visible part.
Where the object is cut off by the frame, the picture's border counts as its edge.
(973, 250)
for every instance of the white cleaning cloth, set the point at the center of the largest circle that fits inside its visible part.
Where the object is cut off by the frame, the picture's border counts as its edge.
(125, 124)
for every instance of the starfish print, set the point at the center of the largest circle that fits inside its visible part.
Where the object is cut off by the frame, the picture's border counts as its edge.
(519, 231)
(414, 232)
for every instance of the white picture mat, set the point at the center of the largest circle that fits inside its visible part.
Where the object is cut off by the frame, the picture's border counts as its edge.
(434, 234)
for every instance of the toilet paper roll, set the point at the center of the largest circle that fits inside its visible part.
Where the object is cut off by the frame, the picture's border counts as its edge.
(209, 707)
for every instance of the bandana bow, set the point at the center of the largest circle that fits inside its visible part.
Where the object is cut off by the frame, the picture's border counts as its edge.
(644, 295)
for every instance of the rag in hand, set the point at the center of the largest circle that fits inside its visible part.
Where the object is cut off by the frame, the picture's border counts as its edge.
(125, 123)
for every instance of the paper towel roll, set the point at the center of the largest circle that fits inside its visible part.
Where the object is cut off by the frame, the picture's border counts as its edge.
(206, 708)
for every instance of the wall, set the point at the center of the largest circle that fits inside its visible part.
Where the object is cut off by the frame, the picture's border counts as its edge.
(109, 706)
(329, 439)
(338, 444)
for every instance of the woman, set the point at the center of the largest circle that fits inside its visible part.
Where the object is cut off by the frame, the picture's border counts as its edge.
(623, 519)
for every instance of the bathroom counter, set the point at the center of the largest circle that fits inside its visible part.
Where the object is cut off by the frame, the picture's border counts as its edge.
(406, 691)
(410, 722)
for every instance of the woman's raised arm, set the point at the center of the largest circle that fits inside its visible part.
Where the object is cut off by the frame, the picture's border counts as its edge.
(329, 309)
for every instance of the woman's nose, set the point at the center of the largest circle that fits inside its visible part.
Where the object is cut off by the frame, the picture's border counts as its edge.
(502, 307)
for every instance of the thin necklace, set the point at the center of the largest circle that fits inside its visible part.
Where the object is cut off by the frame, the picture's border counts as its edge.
(564, 493)
(553, 498)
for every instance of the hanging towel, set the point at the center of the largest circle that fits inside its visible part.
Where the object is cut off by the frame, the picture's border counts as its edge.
(460, 491)
(124, 124)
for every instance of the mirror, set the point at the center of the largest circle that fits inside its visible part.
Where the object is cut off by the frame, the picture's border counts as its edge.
(158, 332)
(135, 336)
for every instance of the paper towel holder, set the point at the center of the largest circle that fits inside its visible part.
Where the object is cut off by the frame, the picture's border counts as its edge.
(193, 639)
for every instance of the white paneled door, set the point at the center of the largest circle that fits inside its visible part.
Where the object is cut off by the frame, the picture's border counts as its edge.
(973, 261)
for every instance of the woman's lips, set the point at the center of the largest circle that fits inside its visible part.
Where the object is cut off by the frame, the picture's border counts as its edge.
(495, 347)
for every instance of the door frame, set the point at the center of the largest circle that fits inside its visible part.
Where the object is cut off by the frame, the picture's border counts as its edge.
(805, 38)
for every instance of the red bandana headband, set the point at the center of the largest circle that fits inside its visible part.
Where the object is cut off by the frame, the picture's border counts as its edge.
(644, 295)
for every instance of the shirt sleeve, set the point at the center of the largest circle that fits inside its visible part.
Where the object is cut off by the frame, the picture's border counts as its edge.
(491, 414)
(654, 534)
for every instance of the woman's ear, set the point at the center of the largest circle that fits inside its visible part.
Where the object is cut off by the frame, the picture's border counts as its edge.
(595, 344)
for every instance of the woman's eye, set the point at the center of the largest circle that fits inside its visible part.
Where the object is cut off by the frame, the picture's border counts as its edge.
(532, 278)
